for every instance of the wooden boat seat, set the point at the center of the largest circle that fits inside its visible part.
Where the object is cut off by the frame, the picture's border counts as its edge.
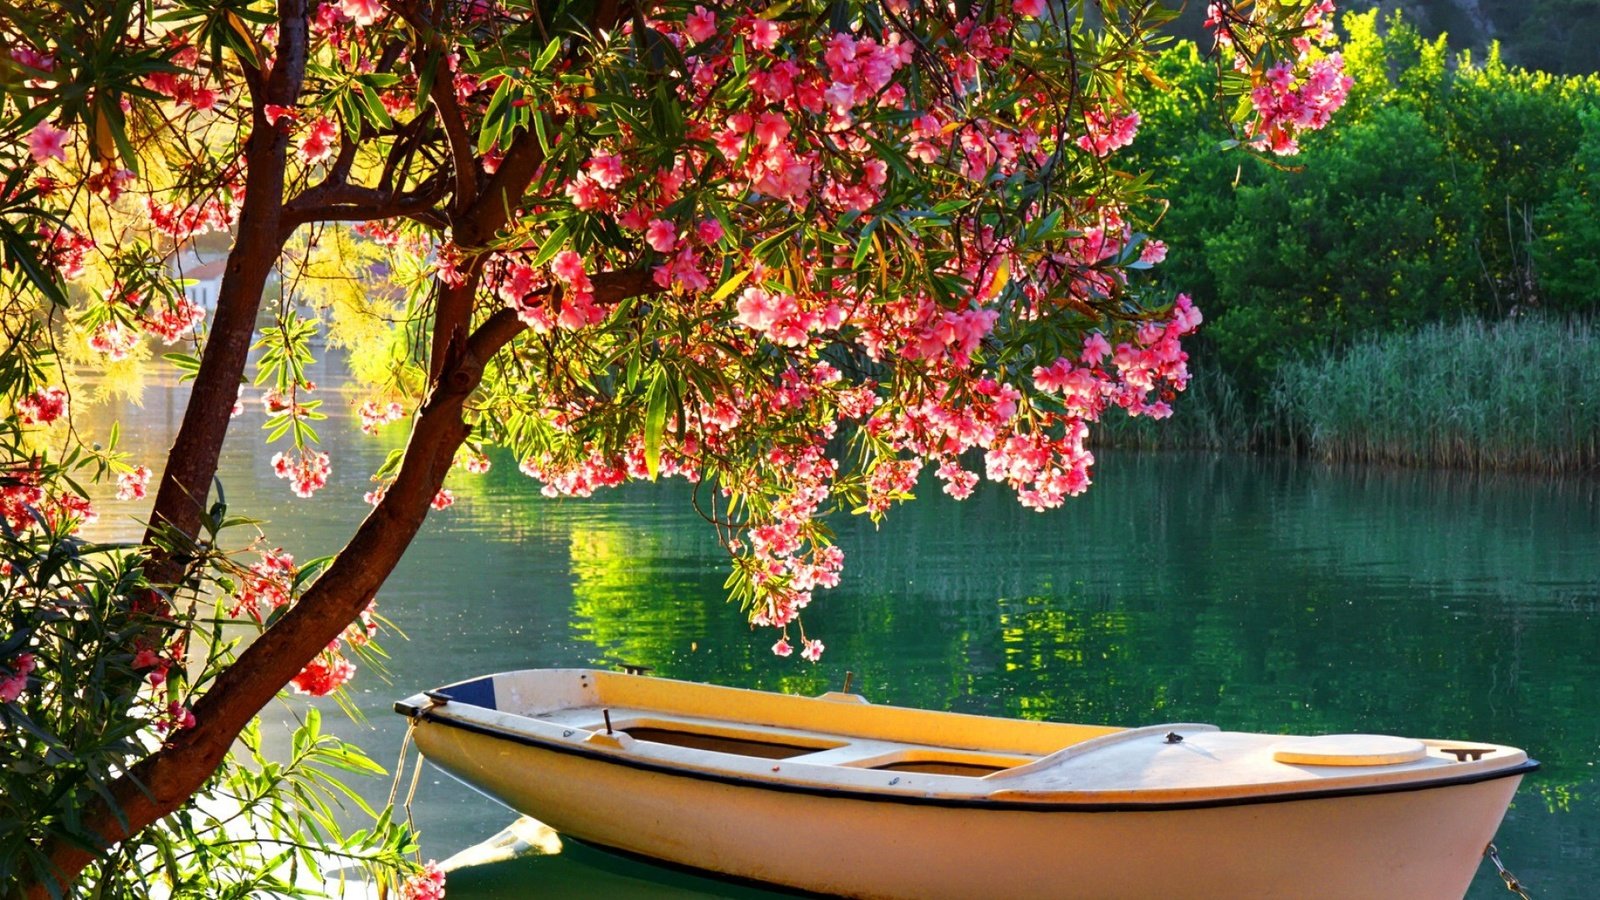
(791, 745)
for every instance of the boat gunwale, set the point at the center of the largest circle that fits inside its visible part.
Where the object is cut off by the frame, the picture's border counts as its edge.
(1043, 805)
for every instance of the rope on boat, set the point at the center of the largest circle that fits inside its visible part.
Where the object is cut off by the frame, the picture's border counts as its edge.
(416, 773)
(1512, 884)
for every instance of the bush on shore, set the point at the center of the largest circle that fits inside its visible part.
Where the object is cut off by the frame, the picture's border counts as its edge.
(1455, 190)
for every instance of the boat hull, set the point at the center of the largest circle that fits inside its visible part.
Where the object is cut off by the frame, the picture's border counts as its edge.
(1423, 841)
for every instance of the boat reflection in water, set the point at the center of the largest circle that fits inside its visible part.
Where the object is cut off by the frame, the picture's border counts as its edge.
(836, 795)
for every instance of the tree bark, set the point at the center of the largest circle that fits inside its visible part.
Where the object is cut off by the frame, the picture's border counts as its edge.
(192, 462)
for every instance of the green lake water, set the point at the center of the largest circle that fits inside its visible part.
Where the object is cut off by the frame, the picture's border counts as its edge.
(1260, 594)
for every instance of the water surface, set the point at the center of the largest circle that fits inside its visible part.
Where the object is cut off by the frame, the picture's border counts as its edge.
(1258, 594)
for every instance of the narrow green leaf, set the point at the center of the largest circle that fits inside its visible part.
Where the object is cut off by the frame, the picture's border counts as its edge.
(553, 244)
(548, 56)
(729, 286)
(655, 422)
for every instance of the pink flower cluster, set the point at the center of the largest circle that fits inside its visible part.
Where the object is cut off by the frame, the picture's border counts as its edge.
(131, 485)
(362, 12)
(780, 317)
(171, 319)
(325, 674)
(43, 406)
(425, 885)
(1286, 106)
(375, 415)
(185, 220)
(1108, 131)
(525, 290)
(23, 497)
(319, 142)
(1286, 103)
(306, 469)
(176, 717)
(187, 91)
(68, 250)
(12, 685)
(114, 340)
(266, 587)
(471, 460)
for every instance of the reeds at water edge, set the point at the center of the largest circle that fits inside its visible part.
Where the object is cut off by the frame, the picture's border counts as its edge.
(1522, 394)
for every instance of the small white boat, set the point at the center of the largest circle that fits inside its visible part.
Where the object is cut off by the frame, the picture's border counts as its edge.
(836, 795)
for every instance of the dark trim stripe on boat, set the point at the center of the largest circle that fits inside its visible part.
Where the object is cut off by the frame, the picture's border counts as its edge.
(426, 715)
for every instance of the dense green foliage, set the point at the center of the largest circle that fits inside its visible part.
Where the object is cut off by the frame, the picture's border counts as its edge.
(1454, 189)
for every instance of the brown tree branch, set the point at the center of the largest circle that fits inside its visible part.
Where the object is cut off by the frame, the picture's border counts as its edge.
(351, 203)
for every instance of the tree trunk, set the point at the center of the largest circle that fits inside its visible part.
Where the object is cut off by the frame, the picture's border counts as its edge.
(192, 462)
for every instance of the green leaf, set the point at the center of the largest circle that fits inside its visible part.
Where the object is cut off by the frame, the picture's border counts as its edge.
(553, 244)
(760, 250)
(729, 286)
(655, 422)
(548, 56)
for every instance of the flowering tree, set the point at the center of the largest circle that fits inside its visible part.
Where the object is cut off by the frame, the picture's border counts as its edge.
(794, 252)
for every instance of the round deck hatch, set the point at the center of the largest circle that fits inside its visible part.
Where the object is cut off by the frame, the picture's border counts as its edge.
(1348, 750)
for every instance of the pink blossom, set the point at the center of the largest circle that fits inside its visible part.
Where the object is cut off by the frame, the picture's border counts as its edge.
(266, 586)
(12, 686)
(364, 12)
(307, 471)
(1095, 348)
(763, 34)
(813, 650)
(661, 235)
(325, 674)
(375, 415)
(131, 485)
(42, 407)
(607, 171)
(782, 648)
(177, 717)
(47, 142)
(114, 341)
(568, 266)
(1028, 8)
(153, 665)
(318, 144)
(700, 25)
(474, 462)
(275, 114)
(172, 320)
(443, 500)
(1107, 131)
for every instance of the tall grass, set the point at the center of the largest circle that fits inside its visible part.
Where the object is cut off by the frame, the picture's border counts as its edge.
(1519, 394)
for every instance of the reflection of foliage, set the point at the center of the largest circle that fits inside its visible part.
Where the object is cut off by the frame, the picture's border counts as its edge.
(1559, 796)
(622, 605)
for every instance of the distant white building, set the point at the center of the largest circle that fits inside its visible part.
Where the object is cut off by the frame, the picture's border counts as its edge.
(206, 275)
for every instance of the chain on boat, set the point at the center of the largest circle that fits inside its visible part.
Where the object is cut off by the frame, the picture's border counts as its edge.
(1512, 884)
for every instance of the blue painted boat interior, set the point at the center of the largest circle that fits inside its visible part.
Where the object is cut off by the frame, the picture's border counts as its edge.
(477, 692)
